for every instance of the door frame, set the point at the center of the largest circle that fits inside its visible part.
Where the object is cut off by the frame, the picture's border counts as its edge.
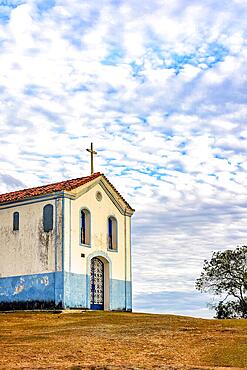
(107, 278)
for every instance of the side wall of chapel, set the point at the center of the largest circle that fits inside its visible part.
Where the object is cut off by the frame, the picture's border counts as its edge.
(30, 258)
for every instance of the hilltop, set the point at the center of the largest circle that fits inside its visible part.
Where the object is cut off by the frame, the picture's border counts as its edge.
(111, 340)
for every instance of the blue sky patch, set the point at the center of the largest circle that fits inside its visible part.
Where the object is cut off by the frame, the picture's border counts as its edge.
(45, 5)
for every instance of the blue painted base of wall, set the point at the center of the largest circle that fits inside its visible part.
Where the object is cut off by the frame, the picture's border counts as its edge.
(38, 291)
(120, 295)
(75, 290)
(58, 290)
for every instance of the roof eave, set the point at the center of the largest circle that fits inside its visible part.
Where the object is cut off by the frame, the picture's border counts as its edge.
(127, 209)
(40, 197)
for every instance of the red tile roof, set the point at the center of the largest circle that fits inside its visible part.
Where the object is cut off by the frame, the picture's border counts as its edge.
(47, 189)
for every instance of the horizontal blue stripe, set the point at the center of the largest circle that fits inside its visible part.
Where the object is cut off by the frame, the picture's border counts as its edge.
(76, 287)
(37, 287)
(65, 289)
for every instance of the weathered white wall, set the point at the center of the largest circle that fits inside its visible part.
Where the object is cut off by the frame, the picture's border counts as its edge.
(100, 211)
(29, 250)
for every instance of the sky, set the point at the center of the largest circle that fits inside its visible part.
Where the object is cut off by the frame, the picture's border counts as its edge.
(160, 88)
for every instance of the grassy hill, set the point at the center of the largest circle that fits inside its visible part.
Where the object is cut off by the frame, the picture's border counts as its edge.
(106, 340)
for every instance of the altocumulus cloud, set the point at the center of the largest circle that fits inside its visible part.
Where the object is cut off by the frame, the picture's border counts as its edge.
(160, 87)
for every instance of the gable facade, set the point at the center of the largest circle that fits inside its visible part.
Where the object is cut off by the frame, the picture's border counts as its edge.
(53, 268)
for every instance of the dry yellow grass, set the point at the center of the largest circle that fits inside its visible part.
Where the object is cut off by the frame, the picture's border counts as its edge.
(107, 340)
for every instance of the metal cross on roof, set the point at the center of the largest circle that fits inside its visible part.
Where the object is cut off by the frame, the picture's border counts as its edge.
(92, 152)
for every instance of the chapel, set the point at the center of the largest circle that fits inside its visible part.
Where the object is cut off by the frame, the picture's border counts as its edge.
(66, 245)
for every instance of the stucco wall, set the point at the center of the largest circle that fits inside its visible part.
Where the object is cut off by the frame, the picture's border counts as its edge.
(77, 256)
(29, 250)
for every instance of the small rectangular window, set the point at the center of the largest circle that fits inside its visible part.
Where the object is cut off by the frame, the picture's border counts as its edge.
(16, 221)
(48, 217)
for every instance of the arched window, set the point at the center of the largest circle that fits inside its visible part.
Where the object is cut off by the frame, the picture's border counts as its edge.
(16, 221)
(85, 229)
(48, 218)
(112, 233)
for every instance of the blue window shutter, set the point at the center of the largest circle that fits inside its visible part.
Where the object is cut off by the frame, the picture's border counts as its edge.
(48, 217)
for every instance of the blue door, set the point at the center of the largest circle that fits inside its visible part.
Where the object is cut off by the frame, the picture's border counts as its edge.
(97, 284)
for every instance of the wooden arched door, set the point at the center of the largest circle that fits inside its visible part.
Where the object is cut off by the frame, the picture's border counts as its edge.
(97, 284)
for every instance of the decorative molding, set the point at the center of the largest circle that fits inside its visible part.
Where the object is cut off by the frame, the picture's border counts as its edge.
(98, 254)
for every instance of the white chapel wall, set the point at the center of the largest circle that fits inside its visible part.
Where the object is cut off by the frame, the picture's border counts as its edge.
(100, 211)
(29, 250)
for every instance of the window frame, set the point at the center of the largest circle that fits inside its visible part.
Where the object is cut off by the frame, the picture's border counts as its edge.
(112, 218)
(89, 217)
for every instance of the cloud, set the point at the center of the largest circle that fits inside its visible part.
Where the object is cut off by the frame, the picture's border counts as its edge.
(10, 181)
(161, 90)
(179, 303)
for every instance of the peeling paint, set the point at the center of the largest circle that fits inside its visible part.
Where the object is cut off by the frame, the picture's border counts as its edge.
(44, 280)
(19, 289)
(45, 245)
(35, 290)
